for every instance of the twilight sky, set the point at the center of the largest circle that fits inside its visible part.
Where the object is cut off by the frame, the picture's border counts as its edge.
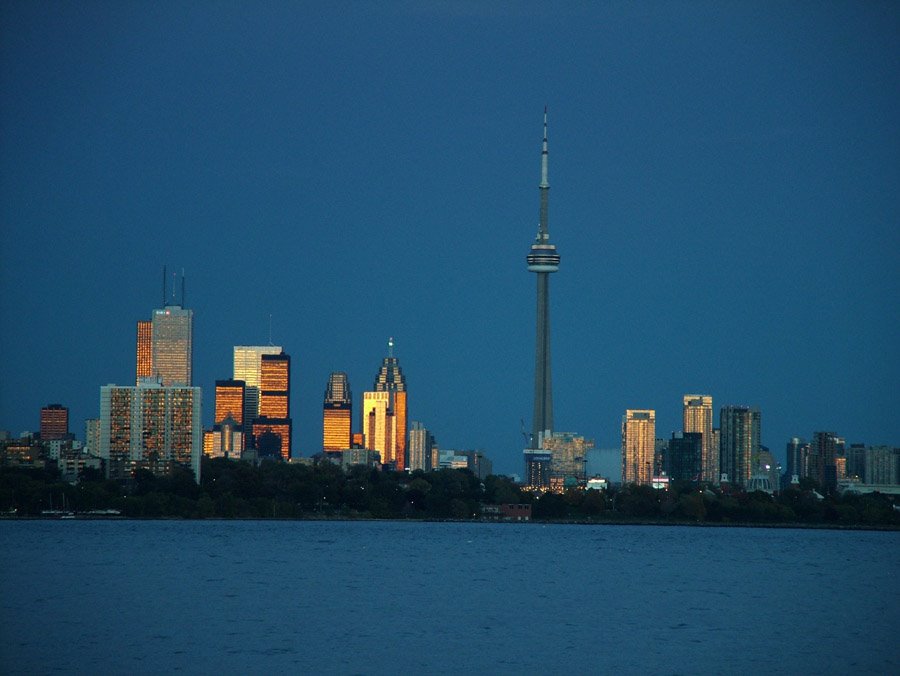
(725, 198)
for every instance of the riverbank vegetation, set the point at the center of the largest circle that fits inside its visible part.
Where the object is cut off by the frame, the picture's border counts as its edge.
(276, 490)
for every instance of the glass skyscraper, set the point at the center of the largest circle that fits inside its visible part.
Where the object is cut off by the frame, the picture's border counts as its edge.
(638, 446)
(337, 413)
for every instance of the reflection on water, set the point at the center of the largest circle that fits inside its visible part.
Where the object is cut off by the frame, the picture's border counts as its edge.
(383, 597)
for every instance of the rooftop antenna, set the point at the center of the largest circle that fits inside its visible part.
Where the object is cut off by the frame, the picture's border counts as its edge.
(174, 278)
(270, 329)
(182, 288)
(164, 285)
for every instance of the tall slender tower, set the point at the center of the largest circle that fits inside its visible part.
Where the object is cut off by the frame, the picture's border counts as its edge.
(697, 416)
(542, 260)
(384, 412)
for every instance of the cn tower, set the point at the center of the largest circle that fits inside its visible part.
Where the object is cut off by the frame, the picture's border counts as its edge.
(542, 260)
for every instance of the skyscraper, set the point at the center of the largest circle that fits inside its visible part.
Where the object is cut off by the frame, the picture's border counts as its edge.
(54, 422)
(337, 413)
(738, 442)
(247, 360)
(164, 343)
(384, 412)
(697, 416)
(150, 426)
(421, 442)
(275, 401)
(638, 445)
(542, 260)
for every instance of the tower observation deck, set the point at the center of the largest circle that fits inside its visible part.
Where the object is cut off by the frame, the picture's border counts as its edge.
(542, 260)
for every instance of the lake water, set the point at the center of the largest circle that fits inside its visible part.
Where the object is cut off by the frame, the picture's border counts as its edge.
(242, 597)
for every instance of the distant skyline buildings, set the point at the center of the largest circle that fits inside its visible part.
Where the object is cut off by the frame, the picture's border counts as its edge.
(164, 344)
(638, 445)
(739, 429)
(54, 422)
(247, 367)
(384, 413)
(697, 416)
(275, 403)
(337, 413)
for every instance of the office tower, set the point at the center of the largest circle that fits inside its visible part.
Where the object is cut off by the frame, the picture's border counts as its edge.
(697, 414)
(881, 466)
(54, 422)
(384, 412)
(421, 441)
(684, 456)
(274, 405)
(247, 361)
(337, 413)
(638, 445)
(144, 350)
(738, 443)
(542, 260)
(172, 333)
(797, 453)
(569, 458)
(150, 426)
(230, 401)
(538, 469)
(856, 461)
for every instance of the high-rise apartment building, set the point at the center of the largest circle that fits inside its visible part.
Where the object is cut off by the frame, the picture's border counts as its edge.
(684, 456)
(824, 451)
(151, 426)
(384, 415)
(247, 367)
(337, 413)
(421, 442)
(738, 443)
(54, 422)
(638, 446)
(697, 415)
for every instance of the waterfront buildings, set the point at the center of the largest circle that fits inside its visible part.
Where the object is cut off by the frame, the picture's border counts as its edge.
(569, 458)
(150, 426)
(165, 343)
(384, 414)
(697, 417)
(421, 442)
(684, 456)
(247, 367)
(738, 443)
(543, 260)
(337, 413)
(638, 445)
(54, 422)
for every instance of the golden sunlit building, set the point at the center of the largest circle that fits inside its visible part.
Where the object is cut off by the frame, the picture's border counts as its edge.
(144, 350)
(337, 413)
(247, 367)
(638, 446)
(697, 416)
(230, 400)
(384, 415)
(274, 405)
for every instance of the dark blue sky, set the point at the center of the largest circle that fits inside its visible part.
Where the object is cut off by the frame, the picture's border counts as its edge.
(724, 197)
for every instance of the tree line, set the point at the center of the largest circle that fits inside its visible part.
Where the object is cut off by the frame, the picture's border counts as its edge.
(231, 489)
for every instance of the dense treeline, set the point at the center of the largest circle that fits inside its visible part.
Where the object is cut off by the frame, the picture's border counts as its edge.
(240, 490)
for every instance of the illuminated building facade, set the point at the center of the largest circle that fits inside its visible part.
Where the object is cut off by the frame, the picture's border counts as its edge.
(54, 422)
(538, 466)
(150, 426)
(739, 429)
(272, 437)
(697, 417)
(172, 334)
(230, 401)
(247, 367)
(337, 413)
(638, 446)
(274, 403)
(225, 440)
(384, 415)
(144, 357)
(569, 452)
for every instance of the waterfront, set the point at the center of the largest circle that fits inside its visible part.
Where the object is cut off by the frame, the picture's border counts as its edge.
(385, 597)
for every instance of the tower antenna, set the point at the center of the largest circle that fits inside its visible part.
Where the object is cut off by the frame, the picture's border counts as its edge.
(270, 329)
(164, 286)
(182, 288)
(391, 347)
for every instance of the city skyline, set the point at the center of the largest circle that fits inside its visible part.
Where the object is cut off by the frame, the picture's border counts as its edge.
(723, 188)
